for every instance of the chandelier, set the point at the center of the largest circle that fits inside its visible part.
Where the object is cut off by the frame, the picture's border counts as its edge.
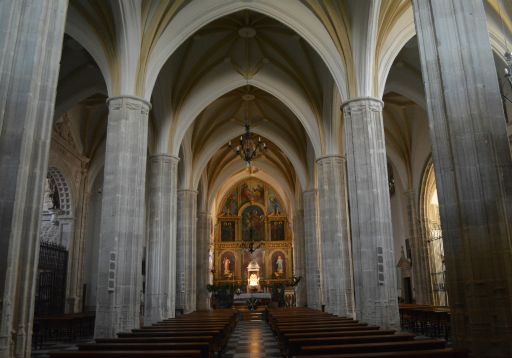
(249, 148)
(508, 68)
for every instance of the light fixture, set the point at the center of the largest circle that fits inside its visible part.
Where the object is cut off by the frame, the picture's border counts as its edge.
(508, 68)
(249, 148)
(508, 54)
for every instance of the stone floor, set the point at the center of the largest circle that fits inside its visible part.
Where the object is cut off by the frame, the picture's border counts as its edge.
(252, 339)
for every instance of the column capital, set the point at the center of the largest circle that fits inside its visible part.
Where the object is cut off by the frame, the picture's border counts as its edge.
(373, 103)
(188, 191)
(129, 97)
(330, 156)
(164, 157)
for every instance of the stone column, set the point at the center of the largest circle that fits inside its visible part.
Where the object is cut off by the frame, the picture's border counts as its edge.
(473, 171)
(75, 277)
(202, 267)
(31, 35)
(420, 268)
(161, 250)
(312, 250)
(334, 236)
(372, 239)
(299, 257)
(122, 217)
(186, 251)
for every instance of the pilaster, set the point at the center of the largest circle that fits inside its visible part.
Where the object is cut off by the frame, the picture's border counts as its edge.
(123, 214)
(370, 213)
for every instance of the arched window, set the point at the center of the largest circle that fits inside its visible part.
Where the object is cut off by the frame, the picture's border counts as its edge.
(434, 236)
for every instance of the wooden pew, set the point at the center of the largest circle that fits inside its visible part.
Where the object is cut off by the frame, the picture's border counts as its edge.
(434, 353)
(127, 354)
(294, 345)
(424, 344)
(194, 335)
(203, 347)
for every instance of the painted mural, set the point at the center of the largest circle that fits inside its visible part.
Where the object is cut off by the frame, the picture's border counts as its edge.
(274, 206)
(228, 230)
(253, 224)
(252, 227)
(230, 207)
(252, 192)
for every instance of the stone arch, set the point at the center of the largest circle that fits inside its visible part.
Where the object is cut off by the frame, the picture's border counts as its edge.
(295, 15)
(228, 82)
(432, 230)
(63, 189)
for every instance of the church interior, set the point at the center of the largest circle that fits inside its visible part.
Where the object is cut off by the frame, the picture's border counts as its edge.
(235, 178)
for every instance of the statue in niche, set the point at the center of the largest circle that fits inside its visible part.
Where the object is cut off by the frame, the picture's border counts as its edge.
(279, 265)
(228, 263)
(51, 199)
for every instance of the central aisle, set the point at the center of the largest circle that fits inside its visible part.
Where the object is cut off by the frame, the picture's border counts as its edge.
(252, 339)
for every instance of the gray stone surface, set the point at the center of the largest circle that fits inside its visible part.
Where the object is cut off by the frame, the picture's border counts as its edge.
(299, 257)
(334, 236)
(419, 253)
(186, 251)
(473, 171)
(312, 250)
(204, 222)
(161, 250)
(123, 216)
(370, 214)
(31, 35)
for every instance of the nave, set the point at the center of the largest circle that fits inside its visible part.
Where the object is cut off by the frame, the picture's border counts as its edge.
(159, 158)
(285, 332)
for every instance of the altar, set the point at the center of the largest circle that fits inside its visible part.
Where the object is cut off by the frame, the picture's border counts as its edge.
(264, 298)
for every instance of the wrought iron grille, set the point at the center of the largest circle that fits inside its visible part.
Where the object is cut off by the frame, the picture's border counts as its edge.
(51, 279)
(437, 265)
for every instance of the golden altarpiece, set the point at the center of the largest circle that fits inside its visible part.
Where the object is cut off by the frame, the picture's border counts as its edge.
(253, 240)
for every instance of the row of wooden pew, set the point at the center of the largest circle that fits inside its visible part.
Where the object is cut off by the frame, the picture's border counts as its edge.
(427, 320)
(200, 334)
(310, 333)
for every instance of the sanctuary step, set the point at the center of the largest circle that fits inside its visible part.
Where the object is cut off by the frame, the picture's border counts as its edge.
(251, 315)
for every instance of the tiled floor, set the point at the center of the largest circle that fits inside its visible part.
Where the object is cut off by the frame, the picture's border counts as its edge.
(252, 339)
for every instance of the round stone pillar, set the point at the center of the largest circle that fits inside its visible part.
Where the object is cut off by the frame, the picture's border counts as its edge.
(370, 214)
(334, 236)
(473, 169)
(122, 217)
(161, 250)
(312, 250)
(299, 257)
(203, 267)
(186, 251)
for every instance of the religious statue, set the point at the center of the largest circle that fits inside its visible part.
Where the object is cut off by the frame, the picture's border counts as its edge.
(227, 271)
(279, 268)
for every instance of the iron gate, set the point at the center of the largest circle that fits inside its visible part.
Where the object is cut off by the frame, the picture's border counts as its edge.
(51, 279)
